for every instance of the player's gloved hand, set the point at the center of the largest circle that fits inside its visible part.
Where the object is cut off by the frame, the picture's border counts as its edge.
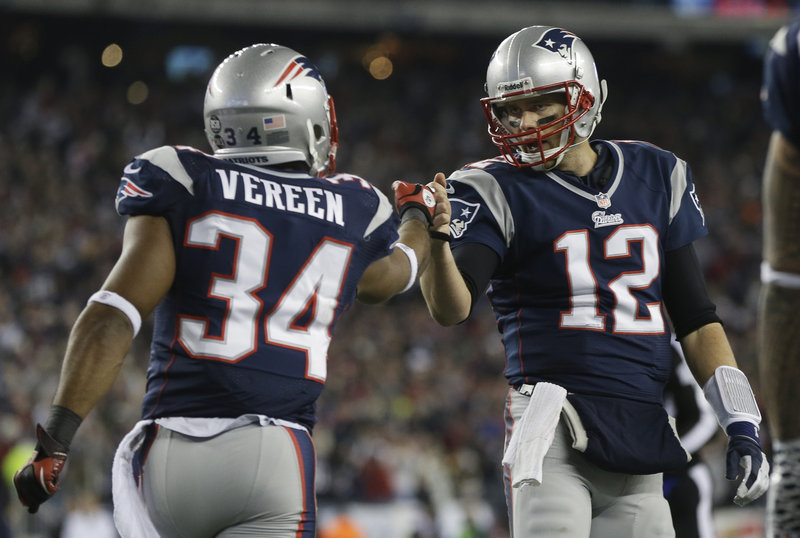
(408, 196)
(745, 460)
(38, 479)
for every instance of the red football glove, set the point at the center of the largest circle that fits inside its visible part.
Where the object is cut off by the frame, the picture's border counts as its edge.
(414, 196)
(38, 479)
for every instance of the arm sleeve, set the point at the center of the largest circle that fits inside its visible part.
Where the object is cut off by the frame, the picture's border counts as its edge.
(685, 294)
(477, 263)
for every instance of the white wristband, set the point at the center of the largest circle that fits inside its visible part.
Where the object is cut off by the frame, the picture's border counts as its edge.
(412, 259)
(729, 393)
(120, 303)
(779, 278)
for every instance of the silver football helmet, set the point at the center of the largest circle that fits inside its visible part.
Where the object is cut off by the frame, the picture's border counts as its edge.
(535, 61)
(267, 104)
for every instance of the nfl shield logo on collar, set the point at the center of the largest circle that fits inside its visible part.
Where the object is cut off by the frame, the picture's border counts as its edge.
(603, 201)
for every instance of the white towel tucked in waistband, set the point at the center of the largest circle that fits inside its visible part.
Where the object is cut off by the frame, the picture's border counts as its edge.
(130, 513)
(533, 434)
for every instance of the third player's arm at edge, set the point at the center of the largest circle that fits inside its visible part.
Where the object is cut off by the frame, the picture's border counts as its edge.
(445, 292)
(779, 362)
(781, 195)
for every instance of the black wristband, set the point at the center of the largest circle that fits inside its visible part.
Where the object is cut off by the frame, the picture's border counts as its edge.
(415, 213)
(62, 424)
(441, 236)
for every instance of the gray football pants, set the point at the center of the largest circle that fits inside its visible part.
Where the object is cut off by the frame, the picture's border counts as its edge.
(577, 499)
(249, 481)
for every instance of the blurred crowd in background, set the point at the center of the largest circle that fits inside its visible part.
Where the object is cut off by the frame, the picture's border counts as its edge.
(410, 428)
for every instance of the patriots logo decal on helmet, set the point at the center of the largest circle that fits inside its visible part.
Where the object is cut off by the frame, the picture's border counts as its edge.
(299, 66)
(557, 40)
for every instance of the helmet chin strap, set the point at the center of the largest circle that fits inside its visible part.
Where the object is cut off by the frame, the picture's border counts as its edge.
(549, 164)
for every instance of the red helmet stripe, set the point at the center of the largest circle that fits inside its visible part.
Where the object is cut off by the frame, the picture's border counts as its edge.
(289, 68)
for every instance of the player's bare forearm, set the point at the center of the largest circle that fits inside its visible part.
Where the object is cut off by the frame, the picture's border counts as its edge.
(415, 234)
(97, 346)
(706, 349)
(443, 287)
(781, 196)
(388, 276)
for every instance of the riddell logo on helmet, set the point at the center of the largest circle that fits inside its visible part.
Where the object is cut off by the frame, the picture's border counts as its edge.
(515, 85)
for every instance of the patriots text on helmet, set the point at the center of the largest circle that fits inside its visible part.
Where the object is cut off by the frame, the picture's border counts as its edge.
(256, 159)
(315, 202)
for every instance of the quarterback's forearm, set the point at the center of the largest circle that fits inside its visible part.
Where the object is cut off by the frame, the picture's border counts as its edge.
(443, 287)
(706, 349)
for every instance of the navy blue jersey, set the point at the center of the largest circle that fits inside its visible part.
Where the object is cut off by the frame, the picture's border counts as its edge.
(577, 295)
(267, 262)
(780, 94)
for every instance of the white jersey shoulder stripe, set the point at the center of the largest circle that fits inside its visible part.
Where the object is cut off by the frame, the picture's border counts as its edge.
(166, 158)
(382, 214)
(490, 192)
(778, 43)
(679, 183)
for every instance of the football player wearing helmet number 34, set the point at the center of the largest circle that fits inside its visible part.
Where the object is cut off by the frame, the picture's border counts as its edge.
(249, 258)
(585, 247)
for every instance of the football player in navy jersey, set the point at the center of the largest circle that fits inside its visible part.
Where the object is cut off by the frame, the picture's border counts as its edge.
(584, 248)
(779, 325)
(249, 258)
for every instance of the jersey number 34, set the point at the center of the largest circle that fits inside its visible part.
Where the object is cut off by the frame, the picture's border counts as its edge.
(313, 293)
